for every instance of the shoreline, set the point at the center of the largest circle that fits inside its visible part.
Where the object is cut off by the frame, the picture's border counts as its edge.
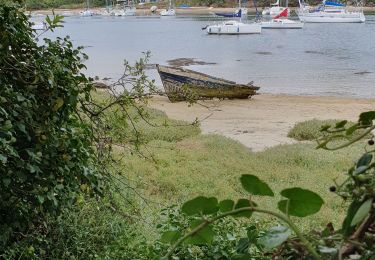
(143, 10)
(264, 120)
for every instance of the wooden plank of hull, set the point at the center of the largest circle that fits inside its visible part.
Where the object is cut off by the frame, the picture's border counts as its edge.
(201, 86)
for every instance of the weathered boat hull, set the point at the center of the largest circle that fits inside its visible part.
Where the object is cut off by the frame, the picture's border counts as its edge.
(180, 85)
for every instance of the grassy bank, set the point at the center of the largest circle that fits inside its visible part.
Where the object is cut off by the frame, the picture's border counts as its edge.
(177, 164)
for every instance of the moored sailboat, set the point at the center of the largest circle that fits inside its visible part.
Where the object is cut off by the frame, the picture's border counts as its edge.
(235, 27)
(87, 11)
(168, 12)
(281, 21)
(274, 10)
(330, 12)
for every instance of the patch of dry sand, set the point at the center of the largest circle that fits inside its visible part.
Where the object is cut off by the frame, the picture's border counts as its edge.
(264, 120)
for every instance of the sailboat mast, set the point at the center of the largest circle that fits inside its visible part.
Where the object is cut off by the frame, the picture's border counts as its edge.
(88, 4)
(239, 10)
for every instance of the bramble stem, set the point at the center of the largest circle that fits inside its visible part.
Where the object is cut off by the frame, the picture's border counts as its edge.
(351, 141)
(282, 217)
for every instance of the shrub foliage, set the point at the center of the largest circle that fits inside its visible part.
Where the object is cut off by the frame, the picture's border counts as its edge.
(47, 155)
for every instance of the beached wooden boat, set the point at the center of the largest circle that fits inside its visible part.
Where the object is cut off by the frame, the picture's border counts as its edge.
(182, 84)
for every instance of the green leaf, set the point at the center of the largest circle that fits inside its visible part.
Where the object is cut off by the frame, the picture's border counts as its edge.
(351, 129)
(252, 234)
(367, 117)
(243, 245)
(341, 124)
(274, 237)
(204, 236)
(170, 236)
(255, 186)
(365, 160)
(58, 104)
(347, 229)
(200, 205)
(302, 202)
(40, 199)
(6, 182)
(3, 158)
(362, 212)
(324, 128)
(226, 205)
(244, 203)
(246, 256)
(360, 170)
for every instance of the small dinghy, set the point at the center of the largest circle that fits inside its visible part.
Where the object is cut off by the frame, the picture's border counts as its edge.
(182, 84)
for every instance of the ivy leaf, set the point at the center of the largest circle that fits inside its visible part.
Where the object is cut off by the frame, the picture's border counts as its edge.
(204, 236)
(226, 205)
(170, 236)
(302, 202)
(255, 186)
(274, 237)
(200, 205)
(365, 160)
(362, 212)
(367, 117)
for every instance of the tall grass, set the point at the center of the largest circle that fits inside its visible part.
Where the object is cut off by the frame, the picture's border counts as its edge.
(211, 165)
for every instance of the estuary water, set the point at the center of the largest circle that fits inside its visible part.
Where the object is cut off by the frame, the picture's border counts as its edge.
(320, 59)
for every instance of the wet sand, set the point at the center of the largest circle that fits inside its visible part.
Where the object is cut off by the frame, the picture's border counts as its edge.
(264, 120)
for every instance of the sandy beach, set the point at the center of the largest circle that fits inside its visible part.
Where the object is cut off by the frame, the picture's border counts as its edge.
(264, 120)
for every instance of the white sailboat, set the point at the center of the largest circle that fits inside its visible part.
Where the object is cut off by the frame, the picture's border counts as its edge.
(127, 8)
(281, 21)
(168, 12)
(274, 10)
(235, 27)
(87, 12)
(330, 12)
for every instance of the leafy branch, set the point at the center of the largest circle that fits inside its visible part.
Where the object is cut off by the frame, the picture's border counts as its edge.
(297, 202)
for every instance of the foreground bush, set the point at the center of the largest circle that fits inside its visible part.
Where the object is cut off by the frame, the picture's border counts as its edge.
(47, 156)
(54, 146)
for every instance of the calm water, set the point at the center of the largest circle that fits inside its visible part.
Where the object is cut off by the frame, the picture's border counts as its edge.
(320, 59)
